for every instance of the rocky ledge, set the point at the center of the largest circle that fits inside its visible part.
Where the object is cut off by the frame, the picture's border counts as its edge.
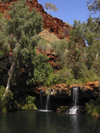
(66, 89)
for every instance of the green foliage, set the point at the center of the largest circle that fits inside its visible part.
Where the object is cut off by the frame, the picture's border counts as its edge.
(21, 37)
(29, 103)
(93, 109)
(62, 76)
(18, 23)
(74, 82)
(0, 15)
(76, 33)
(62, 109)
(94, 5)
(60, 49)
(30, 99)
(3, 26)
(92, 31)
(42, 44)
(2, 90)
(6, 104)
(21, 30)
(88, 75)
(49, 7)
(96, 66)
(42, 69)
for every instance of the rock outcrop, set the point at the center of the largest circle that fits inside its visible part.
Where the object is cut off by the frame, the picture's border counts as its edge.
(64, 88)
(64, 91)
(52, 24)
(61, 95)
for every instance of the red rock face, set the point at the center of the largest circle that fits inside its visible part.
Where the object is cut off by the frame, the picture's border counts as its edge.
(52, 24)
(65, 89)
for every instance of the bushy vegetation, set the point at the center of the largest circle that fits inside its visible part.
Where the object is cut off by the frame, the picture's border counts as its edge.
(42, 44)
(62, 76)
(19, 63)
(29, 103)
(93, 109)
(8, 103)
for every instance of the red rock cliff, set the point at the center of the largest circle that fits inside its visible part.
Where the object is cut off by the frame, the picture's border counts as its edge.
(52, 24)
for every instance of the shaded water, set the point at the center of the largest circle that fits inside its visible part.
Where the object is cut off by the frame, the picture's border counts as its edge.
(40, 122)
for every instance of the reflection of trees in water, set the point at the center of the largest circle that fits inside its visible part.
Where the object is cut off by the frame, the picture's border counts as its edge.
(93, 127)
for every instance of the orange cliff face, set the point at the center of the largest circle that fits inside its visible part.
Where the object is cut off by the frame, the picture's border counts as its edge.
(52, 24)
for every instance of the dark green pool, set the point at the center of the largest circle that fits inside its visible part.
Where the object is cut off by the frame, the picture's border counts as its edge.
(47, 122)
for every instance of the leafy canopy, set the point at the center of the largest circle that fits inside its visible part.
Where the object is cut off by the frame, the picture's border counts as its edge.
(50, 7)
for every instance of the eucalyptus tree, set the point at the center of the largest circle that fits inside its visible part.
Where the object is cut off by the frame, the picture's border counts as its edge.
(60, 49)
(93, 5)
(92, 34)
(50, 7)
(3, 49)
(3, 37)
(22, 31)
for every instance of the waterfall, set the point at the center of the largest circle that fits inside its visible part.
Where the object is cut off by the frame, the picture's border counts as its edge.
(41, 98)
(75, 95)
(47, 102)
(74, 109)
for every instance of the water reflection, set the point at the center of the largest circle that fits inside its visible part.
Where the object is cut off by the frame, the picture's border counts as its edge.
(74, 124)
(48, 122)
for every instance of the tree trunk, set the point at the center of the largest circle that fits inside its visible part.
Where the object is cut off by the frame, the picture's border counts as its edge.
(10, 74)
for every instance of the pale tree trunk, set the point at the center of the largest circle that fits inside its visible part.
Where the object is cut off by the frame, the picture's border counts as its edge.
(10, 74)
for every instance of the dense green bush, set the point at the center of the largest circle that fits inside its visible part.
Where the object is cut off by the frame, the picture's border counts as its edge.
(60, 49)
(8, 103)
(29, 104)
(40, 71)
(93, 109)
(61, 76)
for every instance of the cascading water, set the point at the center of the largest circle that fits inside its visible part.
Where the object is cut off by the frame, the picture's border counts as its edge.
(47, 102)
(74, 109)
(41, 98)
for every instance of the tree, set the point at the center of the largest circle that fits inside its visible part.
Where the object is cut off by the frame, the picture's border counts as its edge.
(3, 49)
(22, 29)
(42, 69)
(94, 5)
(60, 49)
(50, 7)
(92, 35)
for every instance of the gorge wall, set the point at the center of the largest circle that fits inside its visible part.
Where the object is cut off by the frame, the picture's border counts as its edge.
(52, 24)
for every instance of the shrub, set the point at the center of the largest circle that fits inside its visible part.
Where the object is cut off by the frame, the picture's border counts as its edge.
(42, 44)
(7, 103)
(60, 49)
(74, 81)
(93, 109)
(29, 105)
(61, 76)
